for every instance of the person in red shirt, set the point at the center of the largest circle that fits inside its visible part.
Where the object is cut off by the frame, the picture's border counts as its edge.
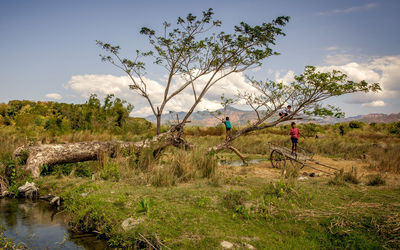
(294, 136)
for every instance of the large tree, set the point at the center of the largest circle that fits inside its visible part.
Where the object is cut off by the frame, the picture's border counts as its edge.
(191, 50)
(305, 94)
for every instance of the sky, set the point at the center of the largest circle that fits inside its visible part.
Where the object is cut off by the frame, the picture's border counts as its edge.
(48, 50)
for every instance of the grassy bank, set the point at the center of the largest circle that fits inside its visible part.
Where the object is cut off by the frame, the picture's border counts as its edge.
(239, 208)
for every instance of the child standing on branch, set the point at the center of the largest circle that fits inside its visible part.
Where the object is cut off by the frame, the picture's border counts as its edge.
(294, 136)
(228, 127)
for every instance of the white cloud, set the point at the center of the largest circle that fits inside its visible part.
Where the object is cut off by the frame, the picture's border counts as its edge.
(374, 104)
(352, 9)
(102, 85)
(54, 96)
(287, 78)
(332, 48)
(383, 70)
(338, 59)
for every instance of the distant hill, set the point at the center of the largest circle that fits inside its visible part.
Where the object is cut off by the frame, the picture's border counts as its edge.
(242, 117)
(204, 118)
(376, 117)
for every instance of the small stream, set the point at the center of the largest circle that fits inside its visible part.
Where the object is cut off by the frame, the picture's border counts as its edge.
(40, 226)
(238, 163)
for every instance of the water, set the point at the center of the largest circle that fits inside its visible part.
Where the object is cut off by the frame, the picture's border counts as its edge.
(238, 163)
(39, 226)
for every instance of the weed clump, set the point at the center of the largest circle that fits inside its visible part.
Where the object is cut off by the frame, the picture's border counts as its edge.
(234, 200)
(110, 171)
(182, 166)
(280, 197)
(342, 177)
(375, 180)
(144, 206)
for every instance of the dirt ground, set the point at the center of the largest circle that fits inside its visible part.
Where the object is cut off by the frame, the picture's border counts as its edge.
(266, 170)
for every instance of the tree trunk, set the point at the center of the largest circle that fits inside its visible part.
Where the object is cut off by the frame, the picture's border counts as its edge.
(51, 154)
(158, 124)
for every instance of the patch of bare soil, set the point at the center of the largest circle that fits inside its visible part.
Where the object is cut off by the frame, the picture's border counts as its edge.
(267, 171)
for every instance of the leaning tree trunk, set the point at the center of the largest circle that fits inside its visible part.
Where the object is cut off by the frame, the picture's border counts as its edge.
(51, 154)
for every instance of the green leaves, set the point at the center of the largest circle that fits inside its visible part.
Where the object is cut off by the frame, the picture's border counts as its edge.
(144, 206)
(305, 94)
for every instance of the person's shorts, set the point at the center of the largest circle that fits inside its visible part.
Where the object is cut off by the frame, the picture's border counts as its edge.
(227, 129)
(294, 140)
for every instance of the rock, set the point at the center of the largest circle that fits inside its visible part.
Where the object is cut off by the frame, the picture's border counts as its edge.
(84, 194)
(226, 244)
(5, 194)
(302, 178)
(56, 201)
(131, 223)
(48, 197)
(248, 246)
(29, 190)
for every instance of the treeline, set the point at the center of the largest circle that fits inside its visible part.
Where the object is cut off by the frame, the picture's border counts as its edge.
(60, 118)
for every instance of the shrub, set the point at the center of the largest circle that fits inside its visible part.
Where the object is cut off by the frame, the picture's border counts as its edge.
(395, 128)
(82, 170)
(234, 199)
(356, 124)
(351, 176)
(110, 171)
(375, 180)
(310, 129)
(342, 177)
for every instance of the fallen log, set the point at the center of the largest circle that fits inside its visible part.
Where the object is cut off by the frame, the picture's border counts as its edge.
(51, 154)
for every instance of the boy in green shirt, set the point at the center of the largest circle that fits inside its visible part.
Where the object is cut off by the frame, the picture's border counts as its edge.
(228, 127)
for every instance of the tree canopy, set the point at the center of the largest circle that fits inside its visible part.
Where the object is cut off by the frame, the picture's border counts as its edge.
(190, 50)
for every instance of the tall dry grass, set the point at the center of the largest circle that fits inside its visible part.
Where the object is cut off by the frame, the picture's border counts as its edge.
(385, 158)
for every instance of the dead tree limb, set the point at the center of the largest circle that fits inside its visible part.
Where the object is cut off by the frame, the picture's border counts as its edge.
(237, 152)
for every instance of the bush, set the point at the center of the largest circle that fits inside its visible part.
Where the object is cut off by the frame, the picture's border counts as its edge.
(395, 128)
(234, 199)
(342, 177)
(310, 129)
(82, 170)
(375, 180)
(356, 124)
(110, 171)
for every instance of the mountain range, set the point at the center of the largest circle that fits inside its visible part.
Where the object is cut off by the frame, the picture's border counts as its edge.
(242, 117)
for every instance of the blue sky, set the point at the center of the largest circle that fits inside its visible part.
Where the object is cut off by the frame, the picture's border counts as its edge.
(48, 49)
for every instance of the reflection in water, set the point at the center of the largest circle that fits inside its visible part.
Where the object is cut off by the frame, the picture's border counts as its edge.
(39, 226)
